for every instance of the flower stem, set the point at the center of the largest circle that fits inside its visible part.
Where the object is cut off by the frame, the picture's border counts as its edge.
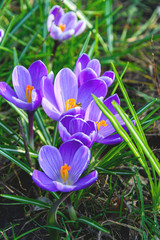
(31, 138)
(71, 210)
(56, 44)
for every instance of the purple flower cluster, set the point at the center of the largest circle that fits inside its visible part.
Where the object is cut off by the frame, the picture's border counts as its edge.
(68, 101)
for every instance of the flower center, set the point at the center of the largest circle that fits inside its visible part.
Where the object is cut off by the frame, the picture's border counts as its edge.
(101, 123)
(29, 89)
(62, 27)
(71, 103)
(64, 172)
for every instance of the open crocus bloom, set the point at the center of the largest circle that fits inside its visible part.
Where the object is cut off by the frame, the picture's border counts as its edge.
(64, 97)
(26, 85)
(87, 69)
(63, 167)
(62, 25)
(75, 127)
(1, 34)
(105, 129)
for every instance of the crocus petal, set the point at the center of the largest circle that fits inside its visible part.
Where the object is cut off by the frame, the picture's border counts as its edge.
(65, 87)
(63, 187)
(68, 150)
(47, 89)
(79, 163)
(37, 70)
(81, 63)
(96, 87)
(110, 140)
(43, 181)
(108, 77)
(6, 91)
(86, 181)
(69, 20)
(74, 111)
(109, 129)
(1, 34)
(57, 12)
(80, 27)
(85, 139)
(50, 109)
(108, 103)
(50, 161)
(93, 112)
(56, 33)
(95, 65)
(67, 35)
(63, 128)
(78, 125)
(21, 78)
(86, 75)
(36, 99)
(21, 104)
(50, 21)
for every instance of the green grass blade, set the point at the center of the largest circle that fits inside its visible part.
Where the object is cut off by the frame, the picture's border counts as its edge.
(93, 224)
(7, 32)
(15, 160)
(42, 127)
(85, 45)
(128, 101)
(108, 11)
(24, 19)
(26, 200)
(138, 138)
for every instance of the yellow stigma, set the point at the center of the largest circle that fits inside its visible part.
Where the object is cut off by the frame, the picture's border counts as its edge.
(62, 27)
(64, 172)
(70, 103)
(29, 89)
(101, 123)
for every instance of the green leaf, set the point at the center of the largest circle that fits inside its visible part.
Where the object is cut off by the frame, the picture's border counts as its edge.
(93, 224)
(26, 200)
(138, 138)
(16, 161)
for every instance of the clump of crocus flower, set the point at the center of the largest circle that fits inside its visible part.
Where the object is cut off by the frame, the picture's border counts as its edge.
(63, 167)
(63, 26)
(87, 69)
(1, 34)
(64, 97)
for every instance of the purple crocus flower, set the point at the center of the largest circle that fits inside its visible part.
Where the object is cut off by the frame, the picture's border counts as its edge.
(63, 167)
(26, 85)
(86, 69)
(1, 34)
(106, 132)
(75, 127)
(64, 97)
(62, 25)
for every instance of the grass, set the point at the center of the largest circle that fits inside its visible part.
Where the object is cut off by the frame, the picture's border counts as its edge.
(124, 202)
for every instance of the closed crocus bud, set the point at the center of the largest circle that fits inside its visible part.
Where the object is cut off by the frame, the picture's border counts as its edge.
(63, 26)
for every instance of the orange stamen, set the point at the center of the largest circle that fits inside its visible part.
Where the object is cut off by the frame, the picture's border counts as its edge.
(62, 27)
(29, 89)
(64, 172)
(70, 103)
(101, 123)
